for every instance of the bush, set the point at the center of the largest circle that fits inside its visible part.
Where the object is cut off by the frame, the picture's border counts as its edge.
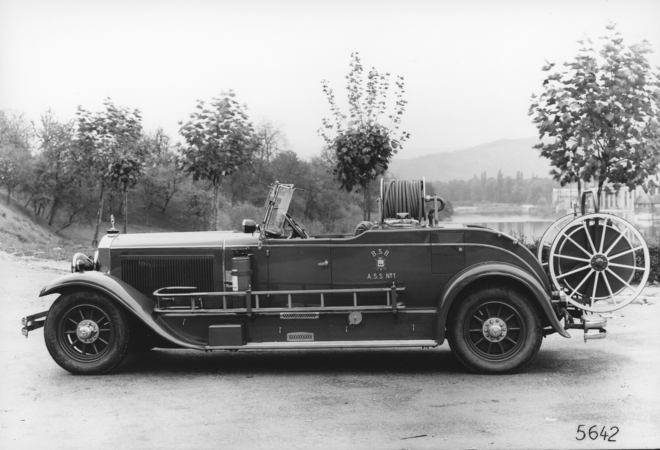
(346, 220)
(532, 246)
(654, 253)
(234, 215)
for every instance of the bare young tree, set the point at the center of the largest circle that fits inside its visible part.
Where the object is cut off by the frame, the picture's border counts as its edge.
(272, 141)
(362, 145)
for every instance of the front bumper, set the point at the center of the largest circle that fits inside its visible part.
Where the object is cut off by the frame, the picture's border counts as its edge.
(33, 322)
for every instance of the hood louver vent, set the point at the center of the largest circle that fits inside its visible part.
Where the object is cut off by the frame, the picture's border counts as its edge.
(148, 273)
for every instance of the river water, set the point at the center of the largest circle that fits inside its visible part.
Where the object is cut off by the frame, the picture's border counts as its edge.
(527, 227)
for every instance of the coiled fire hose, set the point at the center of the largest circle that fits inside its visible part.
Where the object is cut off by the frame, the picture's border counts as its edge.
(403, 196)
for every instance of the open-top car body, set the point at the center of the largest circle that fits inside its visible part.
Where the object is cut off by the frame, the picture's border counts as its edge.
(405, 281)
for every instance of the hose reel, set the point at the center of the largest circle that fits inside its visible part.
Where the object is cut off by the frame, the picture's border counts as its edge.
(599, 260)
(403, 202)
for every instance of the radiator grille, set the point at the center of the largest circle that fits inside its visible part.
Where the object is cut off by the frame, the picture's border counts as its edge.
(298, 337)
(148, 273)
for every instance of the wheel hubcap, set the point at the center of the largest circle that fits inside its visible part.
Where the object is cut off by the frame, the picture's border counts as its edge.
(87, 331)
(495, 329)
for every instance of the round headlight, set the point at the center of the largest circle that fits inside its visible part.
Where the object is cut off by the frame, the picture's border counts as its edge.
(80, 263)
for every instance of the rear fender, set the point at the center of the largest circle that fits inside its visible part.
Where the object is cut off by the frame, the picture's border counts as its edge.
(480, 273)
(133, 301)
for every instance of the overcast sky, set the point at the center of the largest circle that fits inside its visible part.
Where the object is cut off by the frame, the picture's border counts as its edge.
(470, 66)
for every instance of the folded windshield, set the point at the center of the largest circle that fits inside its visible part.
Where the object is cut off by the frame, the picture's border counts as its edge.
(277, 206)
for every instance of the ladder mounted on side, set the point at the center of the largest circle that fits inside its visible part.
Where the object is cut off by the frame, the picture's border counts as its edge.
(253, 303)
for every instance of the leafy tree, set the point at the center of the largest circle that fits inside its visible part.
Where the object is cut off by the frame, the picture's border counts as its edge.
(125, 171)
(15, 143)
(108, 142)
(362, 147)
(198, 202)
(601, 115)
(251, 182)
(37, 185)
(219, 141)
(77, 198)
(9, 172)
(161, 180)
(58, 165)
(324, 200)
(500, 196)
(159, 144)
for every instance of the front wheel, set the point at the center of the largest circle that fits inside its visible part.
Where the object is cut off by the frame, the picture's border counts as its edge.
(495, 331)
(86, 334)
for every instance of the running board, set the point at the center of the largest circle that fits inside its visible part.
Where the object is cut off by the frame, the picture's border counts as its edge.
(327, 344)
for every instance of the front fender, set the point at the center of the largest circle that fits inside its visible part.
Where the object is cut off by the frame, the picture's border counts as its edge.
(131, 299)
(500, 270)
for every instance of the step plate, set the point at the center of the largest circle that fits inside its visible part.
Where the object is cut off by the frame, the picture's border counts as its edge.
(300, 337)
(299, 315)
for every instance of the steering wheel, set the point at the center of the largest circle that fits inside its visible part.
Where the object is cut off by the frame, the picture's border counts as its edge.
(297, 229)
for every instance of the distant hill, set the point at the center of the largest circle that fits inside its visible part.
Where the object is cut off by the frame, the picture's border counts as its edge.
(416, 152)
(509, 155)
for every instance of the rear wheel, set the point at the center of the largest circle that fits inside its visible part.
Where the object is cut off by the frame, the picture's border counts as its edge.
(86, 333)
(495, 330)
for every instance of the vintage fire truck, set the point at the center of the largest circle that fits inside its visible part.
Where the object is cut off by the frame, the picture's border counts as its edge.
(406, 280)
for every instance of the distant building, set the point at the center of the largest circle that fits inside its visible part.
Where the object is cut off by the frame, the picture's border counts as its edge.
(621, 203)
(647, 206)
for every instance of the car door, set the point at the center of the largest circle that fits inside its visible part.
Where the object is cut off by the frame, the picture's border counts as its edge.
(298, 264)
(381, 258)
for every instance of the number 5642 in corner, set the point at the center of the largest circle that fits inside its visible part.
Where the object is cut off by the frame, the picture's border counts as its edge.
(593, 433)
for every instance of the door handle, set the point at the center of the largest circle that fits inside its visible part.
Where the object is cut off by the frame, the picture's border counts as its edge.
(324, 263)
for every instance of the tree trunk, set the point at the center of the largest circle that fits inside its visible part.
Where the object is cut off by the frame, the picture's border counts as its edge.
(53, 211)
(125, 208)
(165, 203)
(56, 195)
(579, 199)
(597, 199)
(579, 186)
(95, 241)
(214, 208)
(367, 201)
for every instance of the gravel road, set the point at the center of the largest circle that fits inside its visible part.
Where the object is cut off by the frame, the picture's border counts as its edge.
(380, 399)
